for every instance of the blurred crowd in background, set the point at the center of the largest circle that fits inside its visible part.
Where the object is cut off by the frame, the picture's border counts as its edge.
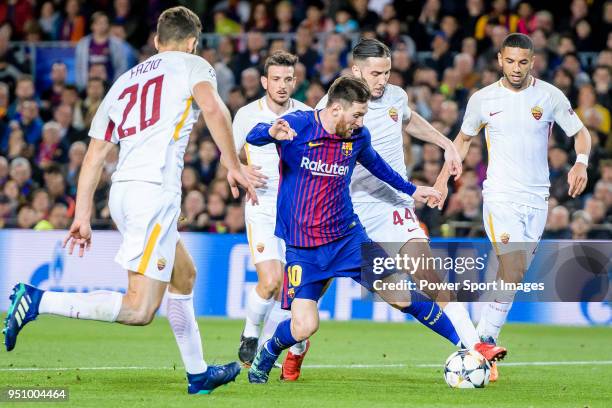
(442, 51)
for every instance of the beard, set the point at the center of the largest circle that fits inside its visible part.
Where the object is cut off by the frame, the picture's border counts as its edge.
(516, 85)
(343, 130)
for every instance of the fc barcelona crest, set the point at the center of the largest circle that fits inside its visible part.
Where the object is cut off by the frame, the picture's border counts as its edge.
(393, 114)
(536, 111)
(347, 148)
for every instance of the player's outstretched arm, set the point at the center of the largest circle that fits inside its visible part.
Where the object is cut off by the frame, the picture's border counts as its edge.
(264, 133)
(462, 144)
(421, 129)
(80, 230)
(219, 123)
(375, 164)
(577, 176)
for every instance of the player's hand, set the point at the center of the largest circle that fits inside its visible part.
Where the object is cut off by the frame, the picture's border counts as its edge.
(453, 161)
(442, 187)
(79, 234)
(257, 178)
(236, 177)
(577, 179)
(423, 193)
(281, 130)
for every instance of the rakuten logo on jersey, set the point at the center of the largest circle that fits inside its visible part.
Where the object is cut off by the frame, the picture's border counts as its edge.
(319, 168)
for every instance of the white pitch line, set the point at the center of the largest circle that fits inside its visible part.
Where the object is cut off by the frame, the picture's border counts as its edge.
(315, 366)
(536, 363)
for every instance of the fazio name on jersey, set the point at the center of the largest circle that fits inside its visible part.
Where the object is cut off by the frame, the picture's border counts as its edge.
(145, 67)
(319, 168)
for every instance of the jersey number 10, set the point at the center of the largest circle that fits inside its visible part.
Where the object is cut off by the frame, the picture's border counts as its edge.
(132, 92)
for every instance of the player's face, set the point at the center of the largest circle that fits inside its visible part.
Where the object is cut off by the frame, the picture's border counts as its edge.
(516, 64)
(279, 83)
(351, 118)
(376, 72)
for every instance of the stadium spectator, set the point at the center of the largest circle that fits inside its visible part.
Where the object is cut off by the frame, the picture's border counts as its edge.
(314, 94)
(52, 148)
(29, 121)
(6, 210)
(316, 20)
(27, 217)
(571, 62)
(303, 48)
(559, 167)
(251, 87)
(57, 219)
(592, 114)
(234, 219)
(41, 202)
(441, 57)
(194, 206)
(225, 76)
(216, 213)
(329, 69)
(4, 170)
(557, 225)
(24, 91)
(55, 183)
(73, 25)
(581, 225)
(21, 173)
(499, 15)
(53, 94)
(253, 56)
(470, 213)
(76, 155)
(124, 16)
(49, 21)
(93, 97)
(99, 47)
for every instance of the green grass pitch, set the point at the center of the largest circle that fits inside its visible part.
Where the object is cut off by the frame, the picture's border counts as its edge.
(397, 356)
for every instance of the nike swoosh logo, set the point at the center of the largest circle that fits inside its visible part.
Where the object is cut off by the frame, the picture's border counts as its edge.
(426, 318)
(412, 229)
(494, 113)
(311, 144)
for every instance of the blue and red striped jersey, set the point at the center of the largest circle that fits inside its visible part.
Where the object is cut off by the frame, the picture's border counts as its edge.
(314, 204)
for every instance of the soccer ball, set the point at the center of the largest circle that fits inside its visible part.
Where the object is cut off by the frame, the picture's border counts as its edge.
(467, 369)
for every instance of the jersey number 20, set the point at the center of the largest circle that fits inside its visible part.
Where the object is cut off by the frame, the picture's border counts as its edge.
(132, 92)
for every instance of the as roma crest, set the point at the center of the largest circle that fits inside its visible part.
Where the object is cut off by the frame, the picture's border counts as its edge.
(536, 111)
(347, 148)
(393, 114)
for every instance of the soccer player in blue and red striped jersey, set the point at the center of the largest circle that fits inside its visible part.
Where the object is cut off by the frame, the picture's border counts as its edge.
(318, 152)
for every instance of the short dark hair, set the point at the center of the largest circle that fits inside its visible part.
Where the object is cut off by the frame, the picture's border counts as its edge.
(348, 90)
(518, 40)
(280, 58)
(370, 48)
(178, 24)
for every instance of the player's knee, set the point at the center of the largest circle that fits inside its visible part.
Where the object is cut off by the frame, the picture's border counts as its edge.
(143, 316)
(136, 312)
(269, 285)
(303, 328)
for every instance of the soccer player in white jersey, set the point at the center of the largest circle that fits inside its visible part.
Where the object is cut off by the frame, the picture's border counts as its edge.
(517, 113)
(388, 215)
(150, 111)
(267, 250)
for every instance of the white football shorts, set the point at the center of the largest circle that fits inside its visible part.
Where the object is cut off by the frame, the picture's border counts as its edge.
(146, 216)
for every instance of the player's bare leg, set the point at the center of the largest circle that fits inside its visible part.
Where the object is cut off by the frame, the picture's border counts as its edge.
(457, 314)
(260, 302)
(304, 323)
(512, 267)
(202, 378)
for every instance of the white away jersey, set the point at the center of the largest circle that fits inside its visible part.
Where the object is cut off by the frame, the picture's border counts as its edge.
(149, 110)
(385, 120)
(517, 126)
(264, 156)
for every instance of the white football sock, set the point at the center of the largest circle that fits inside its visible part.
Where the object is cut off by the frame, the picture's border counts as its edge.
(100, 305)
(185, 327)
(460, 318)
(276, 315)
(256, 310)
(494, 315)
(298, 348)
